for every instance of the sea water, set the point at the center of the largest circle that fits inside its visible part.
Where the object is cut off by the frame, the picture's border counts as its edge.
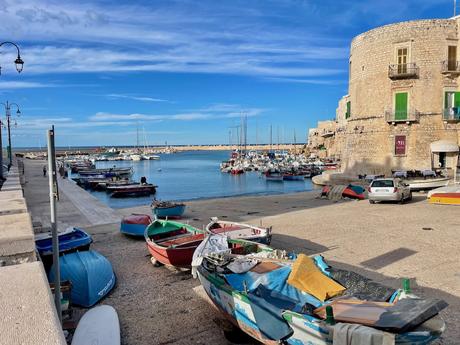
(195, 175)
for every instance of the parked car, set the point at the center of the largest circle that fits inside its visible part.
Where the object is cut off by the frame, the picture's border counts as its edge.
(389, 189)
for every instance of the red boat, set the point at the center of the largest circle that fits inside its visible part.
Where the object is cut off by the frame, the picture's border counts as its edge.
(172, 243)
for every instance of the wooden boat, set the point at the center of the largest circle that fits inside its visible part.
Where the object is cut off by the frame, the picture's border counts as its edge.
(239, 230)
(131, 190)
(293, 177)
(163, 209)
(354, 192)
(172, 243)
(428, 183)
(99, 325)
(257, 289)
(274, 176)
(71, 240)
(135, 224)
(90, 273)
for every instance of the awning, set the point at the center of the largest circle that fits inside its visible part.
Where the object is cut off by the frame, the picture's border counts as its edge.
(444, 146)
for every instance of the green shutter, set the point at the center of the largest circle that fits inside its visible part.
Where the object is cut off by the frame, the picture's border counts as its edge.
(457, 100)
(446, 100)
(348, 113)
(401, 106)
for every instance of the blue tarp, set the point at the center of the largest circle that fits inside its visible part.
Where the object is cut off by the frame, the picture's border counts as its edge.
(91, 275)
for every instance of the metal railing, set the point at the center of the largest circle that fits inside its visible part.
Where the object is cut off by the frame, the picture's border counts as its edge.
(451, 114)
(410, 115)
(450, 66)
(403, 71)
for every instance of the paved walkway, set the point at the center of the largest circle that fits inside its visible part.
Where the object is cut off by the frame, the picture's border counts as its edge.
(74, 208)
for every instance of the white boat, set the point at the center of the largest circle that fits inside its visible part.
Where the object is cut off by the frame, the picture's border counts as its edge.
(99, 325)
(243, 231)
(136, 157)
(150, 157)
(429, 183)
(455, 188)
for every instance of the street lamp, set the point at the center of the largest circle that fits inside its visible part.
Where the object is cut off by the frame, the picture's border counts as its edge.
(7, 106)
(19, 63)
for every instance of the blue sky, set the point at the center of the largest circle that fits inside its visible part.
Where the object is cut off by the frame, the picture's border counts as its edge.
(183, 71)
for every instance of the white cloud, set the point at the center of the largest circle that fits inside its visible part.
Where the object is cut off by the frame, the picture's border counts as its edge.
(10, 85)
(137, 98)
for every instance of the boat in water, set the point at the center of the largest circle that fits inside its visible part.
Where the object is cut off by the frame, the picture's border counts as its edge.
(132, 190)
(240, 230)
(90, 273)
(172, 243)
(274, 175)
(278, 298)
(70, 240)
(135, 224)
(168, 209)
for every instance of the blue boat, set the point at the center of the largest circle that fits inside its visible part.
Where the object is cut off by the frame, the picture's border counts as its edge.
(91, 275)
(135, 224)
(163, 209)
(70, 240)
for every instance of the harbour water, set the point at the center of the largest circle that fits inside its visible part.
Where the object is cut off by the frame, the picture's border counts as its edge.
(195, 175)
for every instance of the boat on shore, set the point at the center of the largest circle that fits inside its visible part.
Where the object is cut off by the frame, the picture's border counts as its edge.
(236, 230)
(134, 190)
(135, 224)
(276, 298)
(70, 240)
(168, 209)
(172, 243)
(448, 195)
(428, 183)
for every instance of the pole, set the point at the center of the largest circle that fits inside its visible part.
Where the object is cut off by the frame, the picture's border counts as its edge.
(10, 156)
(53, 195)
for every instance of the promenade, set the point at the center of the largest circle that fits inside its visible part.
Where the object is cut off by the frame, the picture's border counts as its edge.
(386, 242)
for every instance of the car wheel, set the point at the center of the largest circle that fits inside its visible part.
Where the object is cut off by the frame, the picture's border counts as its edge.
(371, 202)
(402, 199)
(410, 196)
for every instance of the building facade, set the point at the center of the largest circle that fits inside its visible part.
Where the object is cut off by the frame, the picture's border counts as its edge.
(402, 111)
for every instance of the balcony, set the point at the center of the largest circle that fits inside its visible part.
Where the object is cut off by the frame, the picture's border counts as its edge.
(403, 71)
(450, 67)
(396, 116)
(327, 133)
(451, 114)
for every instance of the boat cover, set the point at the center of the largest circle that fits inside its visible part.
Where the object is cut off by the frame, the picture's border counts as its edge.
(137, 219)
(91, 275)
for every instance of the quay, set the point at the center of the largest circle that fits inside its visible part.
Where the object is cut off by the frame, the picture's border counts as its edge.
(162, 306)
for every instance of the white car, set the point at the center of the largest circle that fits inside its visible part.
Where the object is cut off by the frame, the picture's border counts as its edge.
(389, 189)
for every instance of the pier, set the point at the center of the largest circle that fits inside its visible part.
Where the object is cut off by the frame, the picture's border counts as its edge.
(386, 244)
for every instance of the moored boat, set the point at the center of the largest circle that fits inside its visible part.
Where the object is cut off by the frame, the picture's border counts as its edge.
(275, 176)
(135, 224)
(172, 243)
(279, 299)
(293, 177)
(239, 230)
(90, 273)
(131, 190)
(163, 209)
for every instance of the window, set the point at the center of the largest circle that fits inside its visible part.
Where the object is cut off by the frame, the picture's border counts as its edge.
(348, 113)
(382, 183)
(452, 58)
(402, 60)
(401, 106)
(452, 102)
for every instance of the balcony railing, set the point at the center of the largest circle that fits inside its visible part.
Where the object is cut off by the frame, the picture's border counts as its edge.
(326, 134)
(451, 66)
(451, 114)
(403, 71)
(396, 116)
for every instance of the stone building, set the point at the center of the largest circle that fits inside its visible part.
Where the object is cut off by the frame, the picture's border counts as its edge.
(403, 106)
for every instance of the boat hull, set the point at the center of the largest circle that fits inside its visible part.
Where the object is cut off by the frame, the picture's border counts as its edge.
(307, 330)
(427, 184)
(445, 198)
(177, 257)
(170, 212)
(135, 224)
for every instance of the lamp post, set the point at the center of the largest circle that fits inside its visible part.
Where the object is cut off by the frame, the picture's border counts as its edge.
(7, 106)
(18, 62)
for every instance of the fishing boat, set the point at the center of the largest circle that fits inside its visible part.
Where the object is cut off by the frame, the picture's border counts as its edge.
(99, 325)
(293, 176)
(70, 240)
(135, 224)
(428, 183)
(276, 298)
(172, 243)
(239, 230)
(169, 209)
(448, 195)
(274, 175)
(135, 190)
(90, 273)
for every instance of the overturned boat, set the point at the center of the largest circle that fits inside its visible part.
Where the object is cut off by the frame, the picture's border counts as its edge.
(91, 275)
(168, 209)
(236, 230)
(276, 298)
